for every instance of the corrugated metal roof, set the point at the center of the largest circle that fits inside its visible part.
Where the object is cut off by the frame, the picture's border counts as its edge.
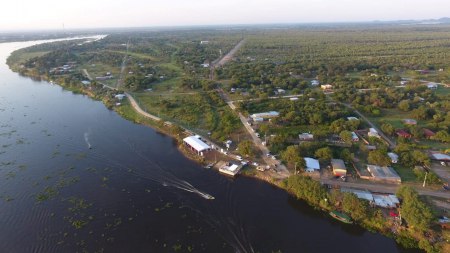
(383, 172)
(196, 143)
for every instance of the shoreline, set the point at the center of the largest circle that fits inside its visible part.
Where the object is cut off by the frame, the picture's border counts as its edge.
(139, 118)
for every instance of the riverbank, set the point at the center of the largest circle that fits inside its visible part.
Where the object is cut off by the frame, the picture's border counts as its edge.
(127, 111)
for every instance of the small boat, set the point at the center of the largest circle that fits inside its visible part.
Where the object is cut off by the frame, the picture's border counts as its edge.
(90, 147)
(207, 196)
(341, 217)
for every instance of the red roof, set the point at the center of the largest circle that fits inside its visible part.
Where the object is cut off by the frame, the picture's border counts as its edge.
(403, 133)
(428, 132)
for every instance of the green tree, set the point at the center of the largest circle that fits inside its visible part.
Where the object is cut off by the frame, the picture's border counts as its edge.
(442, 135)
(324, 154)
(346, 155)
(347, 136)
(264, 128)
(388, 128)
(358, 208)
(404, 105)
(246, 148)
(377, 157)
(306, 188)
(416, 210)
(292, 156)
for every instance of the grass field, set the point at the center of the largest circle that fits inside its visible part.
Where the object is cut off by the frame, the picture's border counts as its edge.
(442, 90)
(406, 173)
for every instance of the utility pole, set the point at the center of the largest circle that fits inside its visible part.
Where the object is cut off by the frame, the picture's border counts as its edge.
(426, 173)
(295, 168)
(238, 137)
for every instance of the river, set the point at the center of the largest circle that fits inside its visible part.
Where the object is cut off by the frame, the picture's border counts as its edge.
(134, 191)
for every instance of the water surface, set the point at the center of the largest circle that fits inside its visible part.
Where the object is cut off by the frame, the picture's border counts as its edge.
(134, 191)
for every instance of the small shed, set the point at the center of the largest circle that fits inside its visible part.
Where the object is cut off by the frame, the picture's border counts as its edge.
(306, 137)
(338, 166)
(431, 86)
(410, 121)
(311, 164)
(355, 137)
(428, 133)
(403, 133)
(326, 87)
(393, 157)
(371, 147)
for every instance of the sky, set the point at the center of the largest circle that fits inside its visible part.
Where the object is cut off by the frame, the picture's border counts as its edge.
(50, 14)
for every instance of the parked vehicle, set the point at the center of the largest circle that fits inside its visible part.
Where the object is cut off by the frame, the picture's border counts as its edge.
(257, 135)
(244, 163)
(239, 158)
(260, 168)
(249, 123)
(255, 164)
(273, 157)
(225, 153)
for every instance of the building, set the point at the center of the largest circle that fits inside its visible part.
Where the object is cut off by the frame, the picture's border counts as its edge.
(428, 133)
(438, 156)
(383, 173)
(393, 157)
(293, 99)
(311, 164)
(281, 91)
(119, 96)
(371, 134)
(312, 99)
(403, 133)
(371, 147)
(231, 168)
(432, 86)
(265, 115)
(361, 194)
(245, 93)
(205, 65)
(204, 42)
(315, 82)
(86, 82)
(338, 166)
(355, 137)
(196, 145)
(326, 87)
(373, 130)
(258, 119)
(410, 121)
(352, 118)
(403, 82)
(385, 200)
(306, 137)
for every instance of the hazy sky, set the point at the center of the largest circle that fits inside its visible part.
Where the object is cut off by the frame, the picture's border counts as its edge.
(50, 14)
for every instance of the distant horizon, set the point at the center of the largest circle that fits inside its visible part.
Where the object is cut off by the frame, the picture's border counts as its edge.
(20, 15)
(68, 29)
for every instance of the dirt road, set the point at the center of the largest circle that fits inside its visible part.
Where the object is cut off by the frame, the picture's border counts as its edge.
(391, 143)
(87, 74)
(225, 59)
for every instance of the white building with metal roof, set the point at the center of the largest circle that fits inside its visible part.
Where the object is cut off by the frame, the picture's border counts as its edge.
(196, 145)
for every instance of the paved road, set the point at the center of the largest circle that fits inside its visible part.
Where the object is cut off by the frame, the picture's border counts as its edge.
(391, 144)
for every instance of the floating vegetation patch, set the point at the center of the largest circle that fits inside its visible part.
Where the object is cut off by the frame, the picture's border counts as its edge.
(10, 175)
